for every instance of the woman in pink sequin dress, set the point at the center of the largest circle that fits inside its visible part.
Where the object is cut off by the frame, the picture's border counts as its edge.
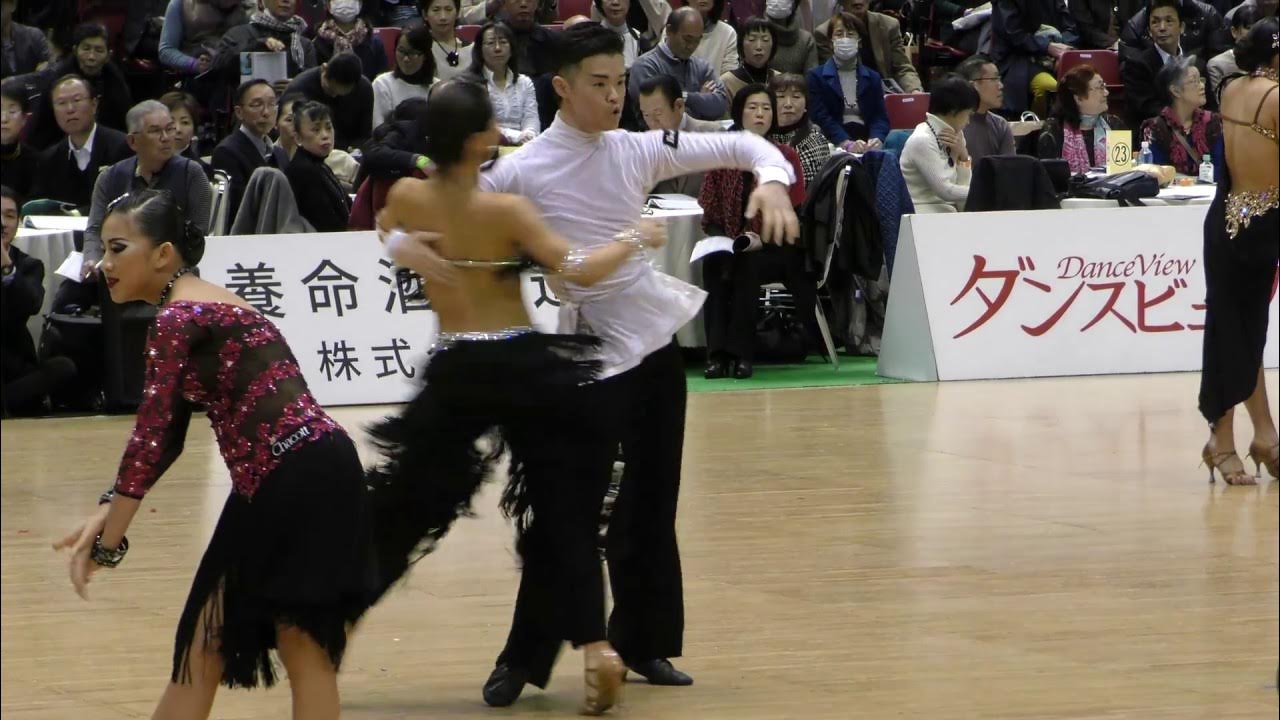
(287, 567)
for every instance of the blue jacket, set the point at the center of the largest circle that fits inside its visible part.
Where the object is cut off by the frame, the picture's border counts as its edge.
(826, 102)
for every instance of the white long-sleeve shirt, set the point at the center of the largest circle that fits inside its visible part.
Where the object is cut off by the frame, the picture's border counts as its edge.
(389, 91)
(930, 179)
(592, 186)
(515, 106)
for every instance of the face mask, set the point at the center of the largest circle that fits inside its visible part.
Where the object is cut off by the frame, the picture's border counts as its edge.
(845, 49)
(777, 9)
(344, 10)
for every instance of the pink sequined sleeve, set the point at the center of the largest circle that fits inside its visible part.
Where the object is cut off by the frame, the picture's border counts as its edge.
(164, 414)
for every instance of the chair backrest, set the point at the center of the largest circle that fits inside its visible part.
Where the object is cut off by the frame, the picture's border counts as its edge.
(468, 33)
(569, 8)
(841, 183)
(220, 208)
(1106, 62)
(906, 110)
(389, 37)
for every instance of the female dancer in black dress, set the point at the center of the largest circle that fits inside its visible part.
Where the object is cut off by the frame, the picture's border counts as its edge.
(489, 370)
(286, 567)
(1240, 250)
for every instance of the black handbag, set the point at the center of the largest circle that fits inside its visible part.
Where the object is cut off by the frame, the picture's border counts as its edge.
(780, 336)
(1127, 187)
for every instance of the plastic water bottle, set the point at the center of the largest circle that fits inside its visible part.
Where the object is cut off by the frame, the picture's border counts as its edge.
(1144, 156)
(1206, 170)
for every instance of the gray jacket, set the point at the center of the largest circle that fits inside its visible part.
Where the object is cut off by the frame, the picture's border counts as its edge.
(269, 207)
(184, 179)
(693, 74)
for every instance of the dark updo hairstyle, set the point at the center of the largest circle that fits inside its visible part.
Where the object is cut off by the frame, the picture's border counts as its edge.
(458, 109)
(310, 111)
(740, 104)
(1258, 48)
(1074, 84)
(158, 216)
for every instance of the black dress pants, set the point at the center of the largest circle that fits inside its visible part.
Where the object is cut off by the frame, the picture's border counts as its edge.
(733, 281)
(643, 410)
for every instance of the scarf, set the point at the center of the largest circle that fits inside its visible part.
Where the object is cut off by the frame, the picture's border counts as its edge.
(1073, 149)
(294, 28)
(792, 134)
(343, 42)
(1162, 131)
(723, 199)
(749, 75)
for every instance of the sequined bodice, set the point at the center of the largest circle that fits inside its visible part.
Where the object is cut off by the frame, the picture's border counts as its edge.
(234, 362)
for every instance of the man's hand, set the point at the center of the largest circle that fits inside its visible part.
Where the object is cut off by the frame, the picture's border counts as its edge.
(709, 86)
(415, 250)
(5, 261)
(771, 202)
(203, 63)
(653, 232)
(1057, 49)
(273, 45)
(88, 269)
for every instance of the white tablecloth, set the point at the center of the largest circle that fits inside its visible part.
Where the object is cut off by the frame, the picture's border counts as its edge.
(684, 229)
(50, 247)
(1172, 195)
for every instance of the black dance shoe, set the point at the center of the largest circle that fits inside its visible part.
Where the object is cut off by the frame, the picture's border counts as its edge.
(716, 369)
(504, 685)
(660, 672)
(743, 370)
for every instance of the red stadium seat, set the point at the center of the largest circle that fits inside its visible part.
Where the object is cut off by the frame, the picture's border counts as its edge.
(1106, 62)
(389, 36)
(906, 110)
(468, 33)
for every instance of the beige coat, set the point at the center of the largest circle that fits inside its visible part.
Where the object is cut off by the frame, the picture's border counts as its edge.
(886, 44)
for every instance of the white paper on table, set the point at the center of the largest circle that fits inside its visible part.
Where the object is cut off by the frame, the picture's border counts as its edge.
(70, 268)
(707, 246)
(673, 202)
(270, 66)
(56, 222)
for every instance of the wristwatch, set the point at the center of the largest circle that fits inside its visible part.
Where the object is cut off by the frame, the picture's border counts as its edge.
(108, 558)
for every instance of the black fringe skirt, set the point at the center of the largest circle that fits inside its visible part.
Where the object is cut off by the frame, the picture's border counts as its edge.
(531, 389)
(296, 554)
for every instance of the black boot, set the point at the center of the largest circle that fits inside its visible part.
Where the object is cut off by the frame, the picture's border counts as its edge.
(660, 672)
(504, 685)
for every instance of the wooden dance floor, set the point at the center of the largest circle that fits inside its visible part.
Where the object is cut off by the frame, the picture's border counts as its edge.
(1034, 549)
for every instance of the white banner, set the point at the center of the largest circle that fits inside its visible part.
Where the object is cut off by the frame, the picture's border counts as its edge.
(358, 333)
(1049, 293)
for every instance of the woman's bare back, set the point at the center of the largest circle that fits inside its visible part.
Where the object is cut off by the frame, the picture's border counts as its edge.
(474, 226)
(1253, 159)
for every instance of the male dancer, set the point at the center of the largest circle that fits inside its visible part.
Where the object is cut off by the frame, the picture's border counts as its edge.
(590, 181)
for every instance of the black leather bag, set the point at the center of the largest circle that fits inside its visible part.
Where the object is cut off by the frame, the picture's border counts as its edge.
(1129, 188)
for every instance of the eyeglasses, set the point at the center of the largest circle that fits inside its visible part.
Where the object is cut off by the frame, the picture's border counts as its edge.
(64, 104)
(159, 133)
(258, 105)
(988, 79)
(1097, 87)
(1192, 82)
(410, 54)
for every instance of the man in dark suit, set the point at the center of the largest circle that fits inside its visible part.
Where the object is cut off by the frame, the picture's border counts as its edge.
(341, 84)
(1138, 71)
(26, 380)
(249, 147)
(69, 168)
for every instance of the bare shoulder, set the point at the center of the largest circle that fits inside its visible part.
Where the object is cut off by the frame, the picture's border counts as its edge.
(405, 188)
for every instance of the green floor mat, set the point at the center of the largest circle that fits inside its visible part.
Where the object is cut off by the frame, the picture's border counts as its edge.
(814, 372)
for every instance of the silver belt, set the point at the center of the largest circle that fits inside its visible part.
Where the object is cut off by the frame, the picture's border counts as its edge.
(445, 340)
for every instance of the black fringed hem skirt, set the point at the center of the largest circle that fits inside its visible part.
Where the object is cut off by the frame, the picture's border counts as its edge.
(296, 554)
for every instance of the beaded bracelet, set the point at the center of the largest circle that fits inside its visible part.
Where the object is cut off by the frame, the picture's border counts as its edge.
(108, 558)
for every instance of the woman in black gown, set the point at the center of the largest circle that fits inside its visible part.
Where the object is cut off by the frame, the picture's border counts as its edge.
(1240, 253)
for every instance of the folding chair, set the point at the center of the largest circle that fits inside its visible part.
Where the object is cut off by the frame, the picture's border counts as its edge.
(906, 110)
(219, 209)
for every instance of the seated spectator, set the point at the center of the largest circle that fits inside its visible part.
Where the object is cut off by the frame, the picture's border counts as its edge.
(286, 136)
(515, 104)
(847, 96)
(398, 147)
(935, 162)
(184, 110)
(1184, 133)
(1223, 65)
(321, 198)
(1077, 130)
(274, 28)
(733, 280)
(793, 127)
(1201, 27)
(1026, 51)
(1096, 23)
(90, 59)
(192, 30)
(139, 39)
(451, 56)
(249, 147)
(1138, 71)
(880, 46)
(719, 45)
(27, 380)
(69, 168)
(705, 96)
(613, 14)
(533, 48)
(340, 84)
(19, 162)
(345, 31)
(662, 107)
(25, 48)
(756, 46)
(987, 133)
(412, 77)
(796, 51)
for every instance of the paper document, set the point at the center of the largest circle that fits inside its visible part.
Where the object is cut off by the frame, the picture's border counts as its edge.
(70, 268)
(707, 246)
(270, 66)
(673, 202)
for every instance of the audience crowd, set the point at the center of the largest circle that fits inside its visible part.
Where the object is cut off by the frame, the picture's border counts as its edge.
(174, 95)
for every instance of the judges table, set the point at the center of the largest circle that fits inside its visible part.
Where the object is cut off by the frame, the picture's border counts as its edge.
(684, 230)
(1173, 195)
(51, 247)
(1047, 293)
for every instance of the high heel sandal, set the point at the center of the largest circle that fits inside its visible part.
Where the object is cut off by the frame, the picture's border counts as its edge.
(1259, 455)
(603, 675)
(1215, 461)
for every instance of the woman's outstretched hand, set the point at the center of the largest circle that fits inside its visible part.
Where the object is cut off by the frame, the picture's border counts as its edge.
(80, 542)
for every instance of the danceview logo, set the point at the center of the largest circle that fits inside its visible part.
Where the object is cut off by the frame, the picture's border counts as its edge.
(1143, 265)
